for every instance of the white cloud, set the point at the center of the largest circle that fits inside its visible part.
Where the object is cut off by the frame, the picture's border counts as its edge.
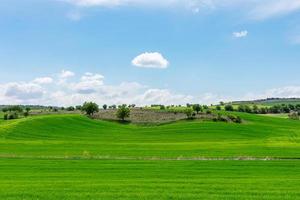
(150, 60)
(271, 8)
(43, 80)
(23, 91)
(91, 87)
(240, 34)
(66, 74)
(89, 83)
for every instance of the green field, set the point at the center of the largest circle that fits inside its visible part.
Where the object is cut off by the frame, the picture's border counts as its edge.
(73, 157)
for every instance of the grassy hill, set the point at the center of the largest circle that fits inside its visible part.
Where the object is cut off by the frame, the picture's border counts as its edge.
(270, 101)
(73, 157)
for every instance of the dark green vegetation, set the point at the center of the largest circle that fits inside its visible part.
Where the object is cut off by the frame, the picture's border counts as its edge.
(74, 157)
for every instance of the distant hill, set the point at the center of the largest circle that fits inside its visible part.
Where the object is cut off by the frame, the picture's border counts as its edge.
(271, 101)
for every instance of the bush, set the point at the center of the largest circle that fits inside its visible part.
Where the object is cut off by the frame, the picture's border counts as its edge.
(235, 119)
(208, 112)
(229, 107)
(5, 116)
(218, 107)
(220, 118)
(13, 115)
(294, 116)
(26, 114)
(238, 120)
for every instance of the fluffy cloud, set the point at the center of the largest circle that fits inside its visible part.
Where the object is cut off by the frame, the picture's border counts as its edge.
(64, 74)
(240, 34)
(150, 60)
(43, 80)
(92, 87)
(23, 91)
(89, 83)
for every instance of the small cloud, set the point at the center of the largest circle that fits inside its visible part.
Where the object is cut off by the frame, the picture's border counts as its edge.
(89, 83)
(240, 34)
(66, 74)
(43, 80)
(150, 60)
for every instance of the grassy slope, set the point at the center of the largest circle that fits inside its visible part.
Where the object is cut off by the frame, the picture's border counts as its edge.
(39, 175)
(75, 136)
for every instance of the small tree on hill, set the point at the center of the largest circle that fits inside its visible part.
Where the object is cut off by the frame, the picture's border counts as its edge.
(197, 108)
(189, 113)
(90, 108)
(104, 106)
(123, 112)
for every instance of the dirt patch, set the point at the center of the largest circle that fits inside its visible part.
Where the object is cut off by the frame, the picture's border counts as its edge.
(144, 116)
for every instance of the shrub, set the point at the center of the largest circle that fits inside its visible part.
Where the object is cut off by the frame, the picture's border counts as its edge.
(238, 119)
(218, 107)
(208, 112)
(229, 107)
(235, 119)
(5, 116)
(162, 107)
(26, 114)
(294, 116)
(13, 115)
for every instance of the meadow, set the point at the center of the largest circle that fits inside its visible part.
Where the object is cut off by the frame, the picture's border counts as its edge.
(70, 156)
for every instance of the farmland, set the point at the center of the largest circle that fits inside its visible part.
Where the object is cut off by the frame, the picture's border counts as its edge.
(69, 156)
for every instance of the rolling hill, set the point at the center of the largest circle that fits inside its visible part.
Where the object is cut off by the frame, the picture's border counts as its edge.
(74, 157)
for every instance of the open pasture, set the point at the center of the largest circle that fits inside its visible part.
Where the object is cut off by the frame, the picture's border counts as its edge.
(74, 157)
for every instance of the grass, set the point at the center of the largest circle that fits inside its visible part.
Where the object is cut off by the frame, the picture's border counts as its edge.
(109, 179)
(73, 157)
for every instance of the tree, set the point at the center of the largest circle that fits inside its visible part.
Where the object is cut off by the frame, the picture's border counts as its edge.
(189, 113)
(78, 107)
(162, 107)
(104, 106)
(123, 112)
(71, 108)
(27, 109)
(229, 107)
(90, 108)
(218, 107)
(197, 108)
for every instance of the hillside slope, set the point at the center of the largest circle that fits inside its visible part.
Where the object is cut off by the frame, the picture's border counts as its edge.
(77, 136)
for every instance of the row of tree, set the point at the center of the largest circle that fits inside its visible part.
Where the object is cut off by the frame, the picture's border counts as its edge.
(283, 108)
(14, 112)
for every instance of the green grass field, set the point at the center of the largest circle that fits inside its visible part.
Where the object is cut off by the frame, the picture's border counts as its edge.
(73, 157)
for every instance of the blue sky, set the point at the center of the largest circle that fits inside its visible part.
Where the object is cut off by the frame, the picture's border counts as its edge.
(143, 52)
